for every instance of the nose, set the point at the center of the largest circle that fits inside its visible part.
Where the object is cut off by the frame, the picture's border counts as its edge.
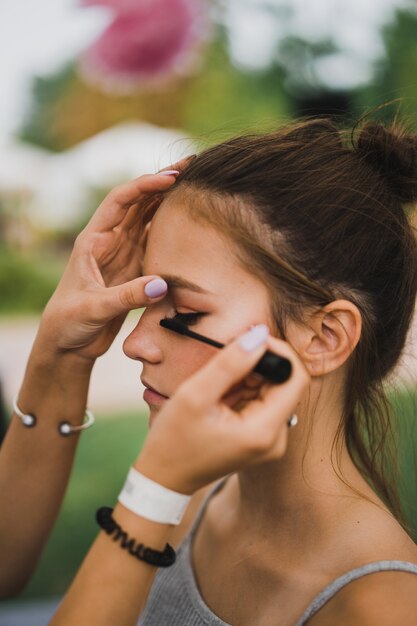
(141, 344)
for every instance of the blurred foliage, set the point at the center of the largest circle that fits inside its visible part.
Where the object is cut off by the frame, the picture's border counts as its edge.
(219, 99)
(395, 75)
(103, 459)
(47, 94)
(297, 58)
(94, 198)
(24, 284)
(222, 99)
(404, 404)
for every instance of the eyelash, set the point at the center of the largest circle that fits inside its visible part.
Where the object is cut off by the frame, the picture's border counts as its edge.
(188, 319)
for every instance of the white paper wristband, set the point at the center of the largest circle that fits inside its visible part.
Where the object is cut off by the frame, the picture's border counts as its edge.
(149, 499)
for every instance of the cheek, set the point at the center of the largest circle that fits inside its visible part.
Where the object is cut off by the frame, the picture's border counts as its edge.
(184, 362)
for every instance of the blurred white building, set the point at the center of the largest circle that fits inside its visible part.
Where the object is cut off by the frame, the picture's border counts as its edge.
(52, 189)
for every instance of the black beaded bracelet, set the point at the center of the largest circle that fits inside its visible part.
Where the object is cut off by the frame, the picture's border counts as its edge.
(149, 555)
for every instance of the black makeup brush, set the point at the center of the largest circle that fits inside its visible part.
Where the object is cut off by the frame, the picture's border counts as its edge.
(276, 369)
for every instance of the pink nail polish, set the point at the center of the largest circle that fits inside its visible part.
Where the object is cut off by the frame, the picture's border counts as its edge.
(169, 173)
(155, 288)
(254, 338)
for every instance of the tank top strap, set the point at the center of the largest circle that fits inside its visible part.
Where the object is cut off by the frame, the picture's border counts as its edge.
(324, 596)
(215, 489)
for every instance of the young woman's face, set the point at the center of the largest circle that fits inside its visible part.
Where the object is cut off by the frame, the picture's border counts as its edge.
(208, 290)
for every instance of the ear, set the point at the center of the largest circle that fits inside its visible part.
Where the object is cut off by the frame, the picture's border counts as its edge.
(327, 339)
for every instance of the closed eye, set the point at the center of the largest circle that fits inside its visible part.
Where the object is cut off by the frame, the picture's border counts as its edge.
(188, 319)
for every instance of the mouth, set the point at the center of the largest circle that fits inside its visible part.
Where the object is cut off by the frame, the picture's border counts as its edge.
(151, 395)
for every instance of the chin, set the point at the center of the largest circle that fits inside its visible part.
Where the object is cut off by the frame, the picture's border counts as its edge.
(153, 412)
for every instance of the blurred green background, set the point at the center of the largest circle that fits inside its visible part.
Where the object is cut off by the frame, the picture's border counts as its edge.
(74, 135)
(307, 71)
(103, 455)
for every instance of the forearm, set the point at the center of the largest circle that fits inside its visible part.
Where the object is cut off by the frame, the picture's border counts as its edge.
(35, 463)
(101, 284)
(112, 586)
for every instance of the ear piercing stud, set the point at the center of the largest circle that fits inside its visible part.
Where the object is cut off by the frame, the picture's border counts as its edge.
(293, 421)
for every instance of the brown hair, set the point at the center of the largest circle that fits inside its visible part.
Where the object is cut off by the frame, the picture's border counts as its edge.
(320, 214)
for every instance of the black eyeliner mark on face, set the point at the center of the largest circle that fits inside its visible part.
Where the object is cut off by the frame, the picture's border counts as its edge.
(188, 319)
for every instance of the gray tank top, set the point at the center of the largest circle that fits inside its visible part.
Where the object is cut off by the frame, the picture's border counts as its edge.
(174, 599)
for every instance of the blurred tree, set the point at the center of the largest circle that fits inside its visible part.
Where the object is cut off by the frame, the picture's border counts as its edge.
(395, 75)
(223, 98)
(298, 60)
(47, 92)
(25, 283)
(298, 57)
(65, 110)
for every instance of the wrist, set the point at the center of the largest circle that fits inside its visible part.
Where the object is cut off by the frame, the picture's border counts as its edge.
(164, 473)
(152, 534)
(48, 358)
(151, 500)
(55, 386)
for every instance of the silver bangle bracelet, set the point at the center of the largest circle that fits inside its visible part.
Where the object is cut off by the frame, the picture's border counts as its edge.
(64, 428)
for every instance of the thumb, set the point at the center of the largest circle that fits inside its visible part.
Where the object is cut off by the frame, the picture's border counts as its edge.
(134, 294)
(227, 368)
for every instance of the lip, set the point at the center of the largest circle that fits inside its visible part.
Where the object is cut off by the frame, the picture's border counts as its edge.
(151, 395)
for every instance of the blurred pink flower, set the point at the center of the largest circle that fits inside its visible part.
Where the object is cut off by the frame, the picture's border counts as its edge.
(148, 41)
(120, 6)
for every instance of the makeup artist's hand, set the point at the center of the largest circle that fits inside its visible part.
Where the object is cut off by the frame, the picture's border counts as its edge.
(197, 437)
(102, 281)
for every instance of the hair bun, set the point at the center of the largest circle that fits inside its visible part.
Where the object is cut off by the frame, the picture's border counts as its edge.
(394, 154)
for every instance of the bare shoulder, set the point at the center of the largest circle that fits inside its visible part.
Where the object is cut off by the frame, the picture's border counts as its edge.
(383, 598)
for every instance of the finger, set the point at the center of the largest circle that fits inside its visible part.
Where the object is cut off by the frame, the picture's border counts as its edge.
(181, 164)
(278, 402)
(136, 293)
(242, 387)
(269, 413)
(143, 239)
(254, 381)
(141, 213)
(226, 368)
(134, 217)
(234, 398)
(114, 207)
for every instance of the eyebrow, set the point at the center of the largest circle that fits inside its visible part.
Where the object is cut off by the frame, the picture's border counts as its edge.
(176, 282)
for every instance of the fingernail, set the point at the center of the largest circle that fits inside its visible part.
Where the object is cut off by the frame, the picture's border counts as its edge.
(155, 288)
(169, 173)
(254, 338)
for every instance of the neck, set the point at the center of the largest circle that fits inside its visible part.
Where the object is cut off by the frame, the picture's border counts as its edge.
(300, 494)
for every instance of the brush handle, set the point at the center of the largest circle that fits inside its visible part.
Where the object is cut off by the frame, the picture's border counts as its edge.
(275, 368)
